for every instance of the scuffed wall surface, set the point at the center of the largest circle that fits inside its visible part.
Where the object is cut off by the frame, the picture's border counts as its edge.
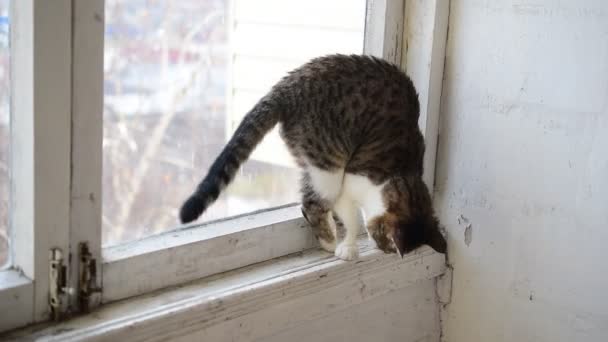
(522, 170)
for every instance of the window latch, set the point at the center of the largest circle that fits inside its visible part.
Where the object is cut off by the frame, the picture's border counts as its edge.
(87, 285)
(57, 284)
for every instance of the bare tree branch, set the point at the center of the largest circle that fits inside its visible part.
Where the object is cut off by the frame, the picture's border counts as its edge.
(156, 137)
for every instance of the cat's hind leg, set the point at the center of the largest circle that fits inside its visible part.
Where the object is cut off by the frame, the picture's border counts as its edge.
(317, 211)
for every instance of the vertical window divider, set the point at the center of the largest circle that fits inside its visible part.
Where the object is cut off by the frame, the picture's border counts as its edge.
(40, 142)
(384, 29)
(86, 151)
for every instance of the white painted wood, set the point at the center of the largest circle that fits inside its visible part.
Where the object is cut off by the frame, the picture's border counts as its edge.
(384, 29)
(22, 137)
(444, 286)
(40, 149)
(184, 255)
(406, 315)
(87, 131)
(425, 34)
(277, 298)
(415, 41)
(16, 294)
(16, 300)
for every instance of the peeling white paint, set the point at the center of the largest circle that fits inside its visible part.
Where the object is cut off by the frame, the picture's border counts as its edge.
(468, 235)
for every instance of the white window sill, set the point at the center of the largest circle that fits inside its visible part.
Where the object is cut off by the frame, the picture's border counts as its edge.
(201, 250)
(236, 295)
(16, 292)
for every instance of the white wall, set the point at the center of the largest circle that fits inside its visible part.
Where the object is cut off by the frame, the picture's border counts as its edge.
(523, 157)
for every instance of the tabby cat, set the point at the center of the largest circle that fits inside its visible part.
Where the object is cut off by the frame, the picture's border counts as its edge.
(351, 122)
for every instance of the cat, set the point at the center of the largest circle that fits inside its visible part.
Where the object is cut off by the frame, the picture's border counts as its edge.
(351, 123)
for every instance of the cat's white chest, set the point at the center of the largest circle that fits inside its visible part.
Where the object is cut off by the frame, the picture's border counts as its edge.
(365, 194)
(356, 189)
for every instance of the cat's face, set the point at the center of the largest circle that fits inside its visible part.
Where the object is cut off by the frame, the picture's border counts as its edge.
(381, 230)
(415, 232)
(395, 235)
(409, 221)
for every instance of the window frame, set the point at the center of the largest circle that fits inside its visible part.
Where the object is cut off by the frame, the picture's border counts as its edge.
(40, 40)
(176, 257)
(73, 167)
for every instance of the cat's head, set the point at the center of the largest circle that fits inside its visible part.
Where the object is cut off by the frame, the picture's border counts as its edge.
(411, 234)
(395, 235)
(409, 221)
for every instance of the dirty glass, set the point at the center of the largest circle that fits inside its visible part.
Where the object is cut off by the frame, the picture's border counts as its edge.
(179, 76)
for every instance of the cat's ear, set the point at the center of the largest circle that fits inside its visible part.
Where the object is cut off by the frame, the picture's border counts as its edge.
(434, 238)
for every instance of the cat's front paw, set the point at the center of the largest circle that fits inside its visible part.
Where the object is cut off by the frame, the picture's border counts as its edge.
(347, 251)
(328, 246)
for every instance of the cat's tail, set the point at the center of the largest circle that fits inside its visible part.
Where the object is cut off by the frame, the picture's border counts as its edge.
(259, 121)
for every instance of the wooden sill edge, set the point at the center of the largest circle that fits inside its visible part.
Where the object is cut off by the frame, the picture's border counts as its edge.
(225, 296)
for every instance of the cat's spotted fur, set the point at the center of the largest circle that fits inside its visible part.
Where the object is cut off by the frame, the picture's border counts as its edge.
(351, 123)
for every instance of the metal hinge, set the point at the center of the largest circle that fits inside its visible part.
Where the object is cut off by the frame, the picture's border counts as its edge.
(58, 290)
(87, 284)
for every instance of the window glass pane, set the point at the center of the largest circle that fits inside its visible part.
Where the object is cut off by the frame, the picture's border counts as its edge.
(179, 76)
(4, 131)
